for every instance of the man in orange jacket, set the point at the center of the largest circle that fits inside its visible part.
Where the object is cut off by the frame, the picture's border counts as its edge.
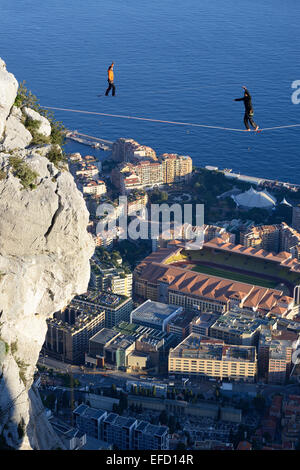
(110, 80)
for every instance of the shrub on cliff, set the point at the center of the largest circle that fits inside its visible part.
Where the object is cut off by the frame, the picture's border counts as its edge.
(23, 171)
(56, 156)
(25, 98)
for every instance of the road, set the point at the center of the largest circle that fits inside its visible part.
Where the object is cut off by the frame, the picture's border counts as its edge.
(88, 376)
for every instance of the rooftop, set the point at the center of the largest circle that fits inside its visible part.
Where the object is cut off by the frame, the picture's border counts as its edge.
(89, 413)
(201, 347)
(154, 312)
(102, 298)
(237, 323)
(104, 336)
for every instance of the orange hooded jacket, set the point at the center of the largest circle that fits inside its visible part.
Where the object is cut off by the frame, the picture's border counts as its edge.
(110, 73)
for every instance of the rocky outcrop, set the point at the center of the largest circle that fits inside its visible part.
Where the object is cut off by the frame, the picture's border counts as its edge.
(15, 135)
(8, 93)
(44, 262)
(44, 124)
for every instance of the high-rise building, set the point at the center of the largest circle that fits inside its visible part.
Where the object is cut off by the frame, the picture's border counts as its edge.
(127, 150)
(117, 308)
(275, 349)
(176, 168)
(69, 331)
(296, 218)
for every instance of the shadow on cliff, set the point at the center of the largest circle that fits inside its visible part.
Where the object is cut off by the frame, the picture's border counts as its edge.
(6, 412)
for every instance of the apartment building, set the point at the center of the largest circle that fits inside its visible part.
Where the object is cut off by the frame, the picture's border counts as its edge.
(147, 436)
(126, 150)
(95, 187)
(119, 430)
(275, 349)
(211, 358)
(149, 173)
(176, 168)
(88, 420)
(106, 277)
(273, 238)
(137, 201)
(69, 331)
(87, 170)
(266, 237)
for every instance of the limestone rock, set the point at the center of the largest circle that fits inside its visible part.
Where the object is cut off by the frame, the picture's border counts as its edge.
(16, 136)
(44, 262)
(8, 93)
(45, 127)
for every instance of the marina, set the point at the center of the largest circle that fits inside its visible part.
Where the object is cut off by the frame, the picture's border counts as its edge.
(91, 141)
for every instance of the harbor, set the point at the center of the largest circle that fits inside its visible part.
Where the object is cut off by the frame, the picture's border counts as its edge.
(91, 141)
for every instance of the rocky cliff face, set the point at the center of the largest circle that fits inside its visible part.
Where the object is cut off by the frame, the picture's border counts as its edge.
(44, 262)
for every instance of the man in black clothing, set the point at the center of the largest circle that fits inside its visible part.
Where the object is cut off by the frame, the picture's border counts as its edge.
(249, 113)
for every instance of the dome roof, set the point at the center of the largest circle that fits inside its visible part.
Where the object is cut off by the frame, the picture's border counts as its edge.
(253, 198)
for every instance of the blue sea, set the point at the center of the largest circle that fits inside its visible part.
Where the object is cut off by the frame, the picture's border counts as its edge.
(174, 60)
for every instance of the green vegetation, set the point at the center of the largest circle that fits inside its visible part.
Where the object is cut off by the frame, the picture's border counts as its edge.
(33, 127)
(56, 156)
(23, 171)
(109, 260)
(158, 197)
(234, 276)
(133, 253)
(3, 175)
(14, 347)
(207, 185)
(259, 403)
(227, 260)
(5, 344)
(22, 369)
(25, 98)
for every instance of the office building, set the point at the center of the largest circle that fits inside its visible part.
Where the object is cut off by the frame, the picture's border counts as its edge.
(117, 308)
(154, 314)
(203, 323)
(211, 358)
(234, 327)
(69, 331)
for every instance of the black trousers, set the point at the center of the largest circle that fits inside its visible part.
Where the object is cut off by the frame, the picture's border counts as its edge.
(248, 117)
(111, 85)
